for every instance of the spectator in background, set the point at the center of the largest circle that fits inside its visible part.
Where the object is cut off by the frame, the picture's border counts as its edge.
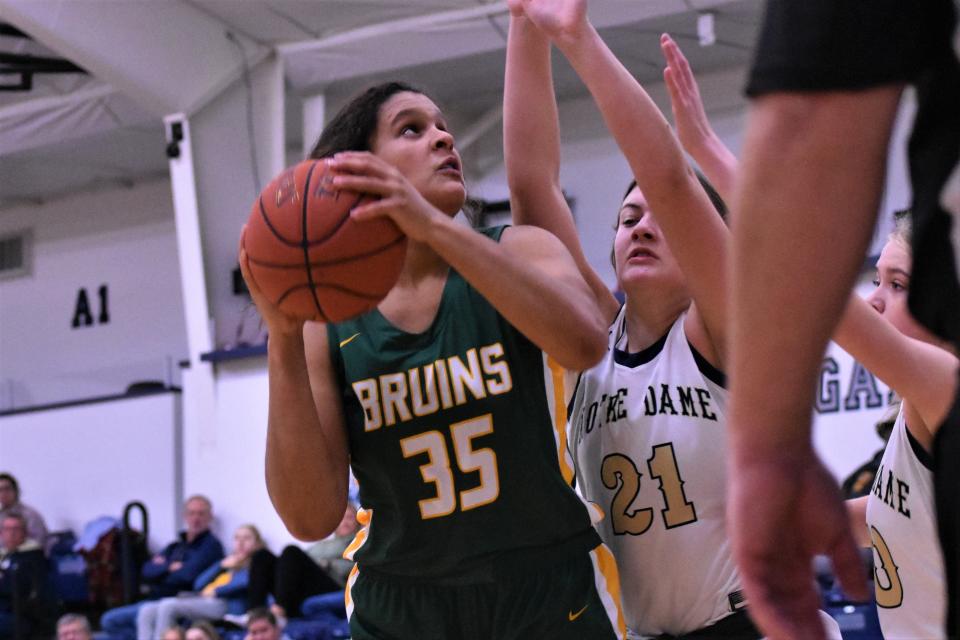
(175, 568)
(222, 589)
(262, 625)
(73, 626)
(297, 575)
(10, 502)
(202, 630)
(24, 584)
(173, 633)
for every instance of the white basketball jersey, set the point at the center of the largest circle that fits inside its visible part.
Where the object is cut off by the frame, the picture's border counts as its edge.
(647, 431)
(908, 566)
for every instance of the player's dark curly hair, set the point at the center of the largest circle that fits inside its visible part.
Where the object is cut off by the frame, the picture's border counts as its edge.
(353, 127)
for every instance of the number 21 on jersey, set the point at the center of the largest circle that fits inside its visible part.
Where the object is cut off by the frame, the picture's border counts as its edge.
(437, 469)
(620, 472)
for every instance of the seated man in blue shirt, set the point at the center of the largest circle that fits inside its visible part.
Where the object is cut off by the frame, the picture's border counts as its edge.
(175, 568)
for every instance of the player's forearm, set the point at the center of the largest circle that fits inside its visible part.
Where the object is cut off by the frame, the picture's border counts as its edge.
(305, 466)
(799, 239)
(558, 313)
(922, 374)
(770, 415)
(778, 332)
(718, 163)
(531, 149)
(857, 512)
(531, 132)
(641, 131)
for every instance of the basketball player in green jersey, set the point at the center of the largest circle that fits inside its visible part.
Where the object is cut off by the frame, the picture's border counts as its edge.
(447, 402)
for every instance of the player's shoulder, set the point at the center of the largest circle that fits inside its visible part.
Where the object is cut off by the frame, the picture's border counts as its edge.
(523, 232)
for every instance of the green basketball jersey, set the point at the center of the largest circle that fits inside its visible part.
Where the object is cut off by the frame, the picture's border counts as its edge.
(457, 439)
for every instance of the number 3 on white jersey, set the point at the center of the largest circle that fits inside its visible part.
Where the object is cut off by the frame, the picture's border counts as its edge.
(889, 588)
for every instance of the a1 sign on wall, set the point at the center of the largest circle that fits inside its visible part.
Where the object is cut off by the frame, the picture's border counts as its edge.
(83, 315)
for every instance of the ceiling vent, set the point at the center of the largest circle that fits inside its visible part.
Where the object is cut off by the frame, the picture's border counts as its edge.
(15, 254)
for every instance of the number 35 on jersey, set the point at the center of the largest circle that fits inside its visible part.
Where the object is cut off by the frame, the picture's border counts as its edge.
(437, 469)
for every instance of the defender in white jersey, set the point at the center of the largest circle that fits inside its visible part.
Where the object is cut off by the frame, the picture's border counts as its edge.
(910, 586)
(647, 432)
(670, 252)
(898, 518)
(889, 342)
(639, 427)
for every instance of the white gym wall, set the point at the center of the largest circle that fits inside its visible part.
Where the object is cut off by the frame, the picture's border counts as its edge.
(81, 462)
(118, 237)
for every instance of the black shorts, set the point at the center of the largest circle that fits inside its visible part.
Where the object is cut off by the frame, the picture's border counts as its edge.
(736, 626)
(541, 594)
(848, 45)
(825, 45)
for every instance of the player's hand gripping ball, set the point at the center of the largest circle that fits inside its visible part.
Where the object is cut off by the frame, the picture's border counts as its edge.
(309, 257)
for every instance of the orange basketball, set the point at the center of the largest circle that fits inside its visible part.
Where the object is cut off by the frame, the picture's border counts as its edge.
(308, 255)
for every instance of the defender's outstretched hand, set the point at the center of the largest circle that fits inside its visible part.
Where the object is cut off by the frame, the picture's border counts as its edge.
(558, 19)
(693, 128)
(690, 119)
